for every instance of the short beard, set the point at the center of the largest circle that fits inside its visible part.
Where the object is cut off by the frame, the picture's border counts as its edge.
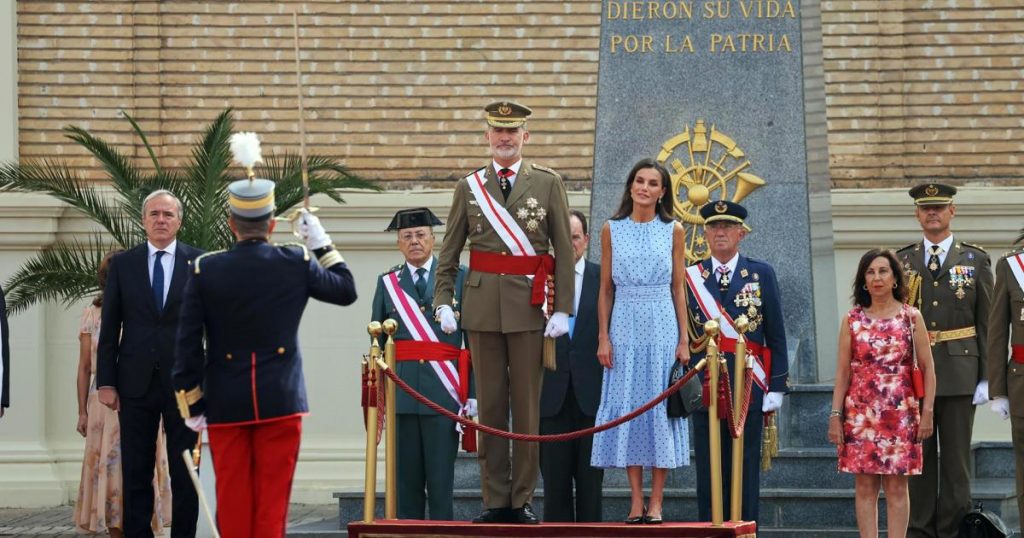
(504, 153)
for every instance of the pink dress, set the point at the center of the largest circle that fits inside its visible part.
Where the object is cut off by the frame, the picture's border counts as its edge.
(880, 410)
(100, 501)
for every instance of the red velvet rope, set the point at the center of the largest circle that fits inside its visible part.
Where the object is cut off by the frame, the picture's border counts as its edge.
(540, 438)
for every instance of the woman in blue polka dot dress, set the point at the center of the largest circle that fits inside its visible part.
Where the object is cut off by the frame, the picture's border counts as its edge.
(642, 266)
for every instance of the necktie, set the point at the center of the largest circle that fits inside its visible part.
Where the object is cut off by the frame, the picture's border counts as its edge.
(572, 326)
(723, 278)
(158, 281)
(503, 181)
(933, 261)
(421, 282)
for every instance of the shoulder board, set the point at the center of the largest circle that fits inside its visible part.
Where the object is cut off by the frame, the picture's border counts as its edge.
(295, 244)
(1013, 252)
(199, 258)
(972, 245)
(392, 270)
(545, 169)
(469, 175)
(910, 246)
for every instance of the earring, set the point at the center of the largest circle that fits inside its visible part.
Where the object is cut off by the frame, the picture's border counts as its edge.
(864, 287)
(894, 285)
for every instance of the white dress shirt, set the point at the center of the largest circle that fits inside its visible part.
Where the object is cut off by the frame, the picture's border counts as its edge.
(581, 264)
(945, 245)
(731, 264)
(514, 168)
(412, 269)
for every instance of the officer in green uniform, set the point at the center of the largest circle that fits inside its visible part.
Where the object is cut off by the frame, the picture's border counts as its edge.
(1006, 377)
(950, 282)
(429, 361)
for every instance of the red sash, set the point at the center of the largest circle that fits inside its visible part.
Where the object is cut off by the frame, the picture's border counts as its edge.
(412, 350)
(539, 266)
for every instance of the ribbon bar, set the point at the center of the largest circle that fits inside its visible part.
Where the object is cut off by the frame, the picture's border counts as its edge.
(539, 267)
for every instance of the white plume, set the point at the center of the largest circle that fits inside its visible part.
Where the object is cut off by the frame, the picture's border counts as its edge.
(245, 147)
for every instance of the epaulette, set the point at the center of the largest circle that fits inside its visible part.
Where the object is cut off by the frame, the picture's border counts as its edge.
(546, 169)
(910, 246)
(296, 244)
(972, 245)
(195, 262)
(397, 267)
(1012, 252)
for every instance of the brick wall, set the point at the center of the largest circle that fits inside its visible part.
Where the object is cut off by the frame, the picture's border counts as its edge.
(394, 88)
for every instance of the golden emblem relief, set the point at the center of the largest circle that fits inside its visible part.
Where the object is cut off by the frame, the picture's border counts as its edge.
(931, 190)
(704, 167)
(504, 109)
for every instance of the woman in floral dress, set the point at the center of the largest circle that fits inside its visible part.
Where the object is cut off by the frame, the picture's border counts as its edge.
(100, 501)
(876, 422)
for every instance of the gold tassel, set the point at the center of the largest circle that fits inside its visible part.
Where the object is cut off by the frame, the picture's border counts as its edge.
(769, 442)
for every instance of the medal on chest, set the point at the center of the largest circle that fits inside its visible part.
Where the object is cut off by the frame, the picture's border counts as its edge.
(749, 300)
(961, 276)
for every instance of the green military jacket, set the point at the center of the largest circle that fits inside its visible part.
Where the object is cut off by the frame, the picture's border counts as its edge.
(419, 375)
(1006, 378)
(959, 298)
(501, 303)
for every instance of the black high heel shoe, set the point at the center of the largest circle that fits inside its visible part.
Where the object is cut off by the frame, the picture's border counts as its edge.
(651, 520)
(636, 520)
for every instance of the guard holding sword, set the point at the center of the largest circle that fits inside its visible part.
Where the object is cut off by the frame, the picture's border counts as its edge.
(246, 384)
(950, 282)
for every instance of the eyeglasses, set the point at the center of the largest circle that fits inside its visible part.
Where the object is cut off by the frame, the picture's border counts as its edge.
(410, 237)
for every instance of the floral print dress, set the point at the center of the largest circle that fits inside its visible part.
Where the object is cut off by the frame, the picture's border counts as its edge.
(880, 410)
(100, 501)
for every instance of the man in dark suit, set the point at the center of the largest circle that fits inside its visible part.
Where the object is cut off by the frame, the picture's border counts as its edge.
(247, 380)
(5, 364)
(134, 359)
(950, 282)
(429, 360)
(726, 286)
(570, 396)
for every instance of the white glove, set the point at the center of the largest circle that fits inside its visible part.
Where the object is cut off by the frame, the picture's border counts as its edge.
(446, 316)
(1001, 407)
(557, 325)
(312, 232)
(196, 423)
(772, 402)
(469, 409)
(981, 393)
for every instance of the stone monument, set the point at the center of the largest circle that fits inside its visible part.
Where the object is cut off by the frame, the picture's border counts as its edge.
(729, 96)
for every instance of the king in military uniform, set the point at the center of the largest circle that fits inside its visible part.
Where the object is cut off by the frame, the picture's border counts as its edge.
(515, 215)
(1006, 374)
(950, 282)
(724, 287)
(429, 360)
(246, 383)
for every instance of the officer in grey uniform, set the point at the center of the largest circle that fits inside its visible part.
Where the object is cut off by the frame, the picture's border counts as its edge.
(950, 282)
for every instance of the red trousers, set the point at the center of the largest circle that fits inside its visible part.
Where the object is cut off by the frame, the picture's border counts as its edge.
(254, 465)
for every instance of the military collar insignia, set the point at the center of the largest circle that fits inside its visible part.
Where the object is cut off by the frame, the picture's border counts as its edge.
(743, 272)
(705, 273)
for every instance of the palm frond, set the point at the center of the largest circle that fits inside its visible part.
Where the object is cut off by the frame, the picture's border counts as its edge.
(145, 141)
(122, 173)
(203, 189)
(57, 180)
(326, 176)
(64, 272)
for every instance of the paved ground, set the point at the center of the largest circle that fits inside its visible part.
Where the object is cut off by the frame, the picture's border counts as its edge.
(56, 521)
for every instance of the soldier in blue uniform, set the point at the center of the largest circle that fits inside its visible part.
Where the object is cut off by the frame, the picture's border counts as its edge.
(740, 286)
(431, 362)
(247, 383)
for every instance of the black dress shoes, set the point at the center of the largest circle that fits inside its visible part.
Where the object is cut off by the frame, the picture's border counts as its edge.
(524, 515)
(495, 515)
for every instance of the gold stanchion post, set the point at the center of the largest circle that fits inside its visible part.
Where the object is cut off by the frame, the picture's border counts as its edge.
(738, 377)
(370, 477)
(390, 428)
(715, 434)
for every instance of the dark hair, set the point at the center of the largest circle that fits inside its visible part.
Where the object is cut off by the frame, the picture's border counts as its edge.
(664, 207)
(861, 297)
(250, 229)
(101, 274)
(579, 215)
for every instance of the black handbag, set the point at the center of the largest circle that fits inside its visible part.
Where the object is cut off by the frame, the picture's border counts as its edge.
(688, 398)
(980, 523)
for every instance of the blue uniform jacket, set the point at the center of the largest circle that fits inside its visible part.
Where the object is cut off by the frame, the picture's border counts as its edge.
(751, 279)
(249, 302)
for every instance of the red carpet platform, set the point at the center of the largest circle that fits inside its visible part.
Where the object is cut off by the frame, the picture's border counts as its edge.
(437, 529)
